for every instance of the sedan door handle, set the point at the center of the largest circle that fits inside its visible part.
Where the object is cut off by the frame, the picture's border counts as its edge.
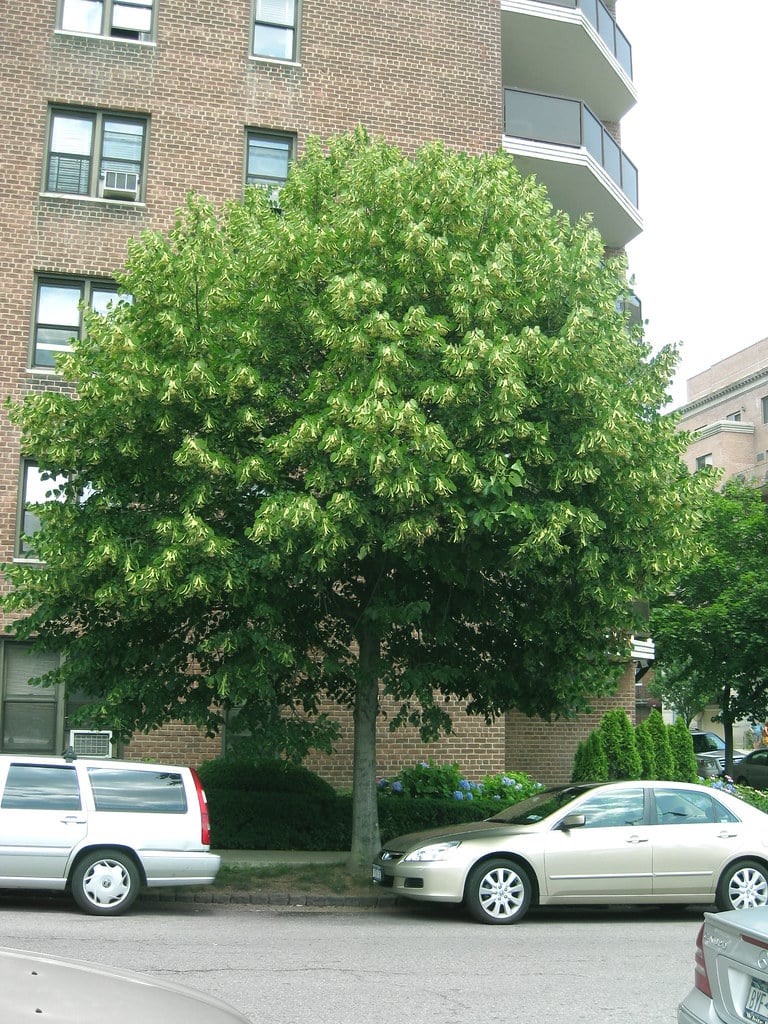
(727, 835)
(72, 819)
(636, 839)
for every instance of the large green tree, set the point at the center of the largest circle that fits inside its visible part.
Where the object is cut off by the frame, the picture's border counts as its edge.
(395, 437)
(715, 621)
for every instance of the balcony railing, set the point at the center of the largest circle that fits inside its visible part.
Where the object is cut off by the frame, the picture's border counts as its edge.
(566, 122)
(600, 17)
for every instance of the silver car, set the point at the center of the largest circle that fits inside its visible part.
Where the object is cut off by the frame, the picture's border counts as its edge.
(730, 980)
(621, 842)
(102, 829)
(34, 986)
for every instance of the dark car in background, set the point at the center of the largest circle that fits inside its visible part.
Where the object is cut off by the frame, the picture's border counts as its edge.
(752, 770)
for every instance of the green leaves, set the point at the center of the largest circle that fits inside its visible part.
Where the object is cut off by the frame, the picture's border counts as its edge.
(405, 408)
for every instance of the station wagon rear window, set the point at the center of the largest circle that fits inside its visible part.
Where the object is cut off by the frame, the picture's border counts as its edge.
(39, 787)
(147, 792)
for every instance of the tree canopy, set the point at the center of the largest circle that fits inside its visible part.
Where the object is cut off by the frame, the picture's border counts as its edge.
(396, 436)
(715, 621)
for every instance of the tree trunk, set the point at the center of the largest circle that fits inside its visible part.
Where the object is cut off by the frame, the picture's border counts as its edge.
(365, 813)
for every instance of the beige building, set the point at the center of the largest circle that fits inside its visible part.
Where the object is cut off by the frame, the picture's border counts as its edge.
(727, 414)
(112, 110)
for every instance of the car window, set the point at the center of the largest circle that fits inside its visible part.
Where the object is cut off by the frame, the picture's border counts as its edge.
(539, 806)
(681, 807)
(37, 787)
(610, 809)
(705, 742)
(126, 789)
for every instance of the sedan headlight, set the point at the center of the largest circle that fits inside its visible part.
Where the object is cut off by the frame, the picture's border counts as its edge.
(435, 851)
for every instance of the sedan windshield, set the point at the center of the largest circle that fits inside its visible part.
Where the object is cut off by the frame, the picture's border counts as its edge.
(540, 806)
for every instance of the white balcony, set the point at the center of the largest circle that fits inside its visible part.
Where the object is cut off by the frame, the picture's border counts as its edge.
(568, 48)
(571, 153)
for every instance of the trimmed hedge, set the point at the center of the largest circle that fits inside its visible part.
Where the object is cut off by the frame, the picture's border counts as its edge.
(277, 805)
(288, 821)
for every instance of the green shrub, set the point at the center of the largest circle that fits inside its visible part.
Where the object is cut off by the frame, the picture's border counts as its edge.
(645, 749)
(508, 788)
(590, 763)
(243, 820)
(277, 805)
(429, 780)
(618, 740)
(272, 776)
(662, 751)
(681, 746)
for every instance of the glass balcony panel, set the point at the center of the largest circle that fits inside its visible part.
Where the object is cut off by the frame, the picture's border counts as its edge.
(623, 51)
(612, 158)
(593, 135)
(542, 118)
(606, 27)
(629, 179)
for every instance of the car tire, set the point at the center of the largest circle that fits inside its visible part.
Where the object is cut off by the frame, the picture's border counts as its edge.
(105, 882)
(743, 886)
(498, 891)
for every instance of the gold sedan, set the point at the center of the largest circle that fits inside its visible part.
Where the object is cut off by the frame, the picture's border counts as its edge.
(621, 842)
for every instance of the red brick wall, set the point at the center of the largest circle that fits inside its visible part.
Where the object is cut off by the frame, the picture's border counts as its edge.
(546, 749)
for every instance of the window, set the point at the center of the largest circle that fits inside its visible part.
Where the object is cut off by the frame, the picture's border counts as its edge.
(764, 408)
(612, 810)
(34, 490)
(734, 417)
(38, 787)
(30, 716)
(129, 789)
(704, 460)
(674, 807)
(268, 158)
(59, 316)
(274, 31)
(96, 154)
(120, 19)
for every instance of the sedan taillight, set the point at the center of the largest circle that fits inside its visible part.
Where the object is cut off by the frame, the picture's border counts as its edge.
(700, 976)
(205, 823)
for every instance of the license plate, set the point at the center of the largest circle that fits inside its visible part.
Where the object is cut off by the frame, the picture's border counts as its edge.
(376, 873)
(756, 1009)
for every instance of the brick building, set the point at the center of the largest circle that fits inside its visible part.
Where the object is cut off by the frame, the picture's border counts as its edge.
(727, 412)
(115, 109)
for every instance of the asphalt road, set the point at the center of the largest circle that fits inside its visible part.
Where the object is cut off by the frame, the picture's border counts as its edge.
(420, 965)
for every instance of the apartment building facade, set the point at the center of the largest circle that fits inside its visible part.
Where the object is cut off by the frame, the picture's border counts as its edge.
(727, 414)
(115, 109)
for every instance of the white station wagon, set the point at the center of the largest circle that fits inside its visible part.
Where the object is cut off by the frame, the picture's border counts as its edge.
(101, 829)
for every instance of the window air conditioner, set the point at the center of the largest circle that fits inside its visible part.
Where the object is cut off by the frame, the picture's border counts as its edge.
(91, 743)
(120, 185)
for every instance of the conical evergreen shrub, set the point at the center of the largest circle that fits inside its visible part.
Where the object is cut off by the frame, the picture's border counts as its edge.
(645, 749)
(665, 764)
(681, 746)
(590, 764)
(618, 740)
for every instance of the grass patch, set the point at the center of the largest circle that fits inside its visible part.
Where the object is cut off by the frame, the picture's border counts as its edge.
(318, 879)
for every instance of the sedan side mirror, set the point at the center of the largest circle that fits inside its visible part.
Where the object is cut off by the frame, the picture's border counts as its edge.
(573, 821)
